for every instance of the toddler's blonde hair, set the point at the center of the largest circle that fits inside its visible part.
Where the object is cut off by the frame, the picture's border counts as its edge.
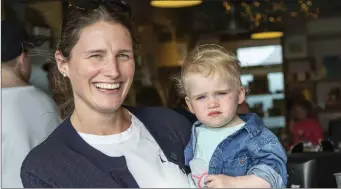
(209, 60)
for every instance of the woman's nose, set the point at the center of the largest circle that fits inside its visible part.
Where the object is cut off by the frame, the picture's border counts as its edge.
(111, 69)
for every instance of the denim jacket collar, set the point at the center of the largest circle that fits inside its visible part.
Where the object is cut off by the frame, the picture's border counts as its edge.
(253, 124)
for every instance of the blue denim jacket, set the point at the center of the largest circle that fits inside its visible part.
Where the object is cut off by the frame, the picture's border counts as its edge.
(253, 149)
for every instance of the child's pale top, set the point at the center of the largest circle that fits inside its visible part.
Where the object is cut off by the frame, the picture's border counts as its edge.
(207, 140)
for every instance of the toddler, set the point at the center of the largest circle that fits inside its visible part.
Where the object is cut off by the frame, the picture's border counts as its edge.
(226, 149)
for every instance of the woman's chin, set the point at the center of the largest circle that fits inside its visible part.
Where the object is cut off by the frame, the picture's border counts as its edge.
(109, 107)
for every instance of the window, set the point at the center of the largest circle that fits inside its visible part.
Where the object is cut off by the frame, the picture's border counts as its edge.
(260, 55)
(246, 78)
(276, 82)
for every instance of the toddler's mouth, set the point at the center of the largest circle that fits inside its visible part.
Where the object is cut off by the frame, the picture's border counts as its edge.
(214, 113)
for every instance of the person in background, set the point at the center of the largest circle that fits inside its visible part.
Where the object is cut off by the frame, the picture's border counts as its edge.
(48, 68)
(177, 103)
(102, 144)
(28, 114)
(226, 150)
(304, 127)
(182, 109)
(148, 96)
(243, 108)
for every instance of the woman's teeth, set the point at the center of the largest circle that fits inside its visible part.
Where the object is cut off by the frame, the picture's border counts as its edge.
(107, 85)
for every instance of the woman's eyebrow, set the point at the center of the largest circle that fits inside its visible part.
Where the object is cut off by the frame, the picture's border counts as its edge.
(96, 51)
(125, 51)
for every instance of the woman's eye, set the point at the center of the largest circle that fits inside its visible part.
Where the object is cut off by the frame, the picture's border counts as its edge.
(96, 56)
(123, 57)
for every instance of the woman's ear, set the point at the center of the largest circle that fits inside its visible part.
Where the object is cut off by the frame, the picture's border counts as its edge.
(241, 96)
(62, 65)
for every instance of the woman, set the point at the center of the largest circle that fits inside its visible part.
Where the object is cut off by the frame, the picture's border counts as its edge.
(148, 96)
(100, 143)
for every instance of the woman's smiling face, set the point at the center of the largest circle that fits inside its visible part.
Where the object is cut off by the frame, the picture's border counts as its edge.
(101, 66)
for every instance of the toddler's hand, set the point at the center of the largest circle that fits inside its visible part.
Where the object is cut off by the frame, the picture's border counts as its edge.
(220, 181)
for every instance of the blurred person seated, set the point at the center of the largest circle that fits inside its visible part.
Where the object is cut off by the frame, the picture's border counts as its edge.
(297, 148)
(28, 114)
(148, 96)
(304, 127)
(324, 146)
(182, 109)
(177, 103)
(284, 138)
(243, 108)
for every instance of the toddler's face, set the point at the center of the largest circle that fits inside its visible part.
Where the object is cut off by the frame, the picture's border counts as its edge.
(213, 100)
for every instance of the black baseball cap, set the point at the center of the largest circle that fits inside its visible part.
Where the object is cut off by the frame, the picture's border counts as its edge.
(15, 39)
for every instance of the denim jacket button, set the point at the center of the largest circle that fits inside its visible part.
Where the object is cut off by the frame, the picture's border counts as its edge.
(242, 162)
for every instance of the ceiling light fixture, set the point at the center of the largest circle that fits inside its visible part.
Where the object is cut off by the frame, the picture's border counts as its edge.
(174, 3)
(267, 35)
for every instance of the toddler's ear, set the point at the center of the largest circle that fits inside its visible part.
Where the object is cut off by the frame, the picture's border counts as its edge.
(241, 96)
(189, 105)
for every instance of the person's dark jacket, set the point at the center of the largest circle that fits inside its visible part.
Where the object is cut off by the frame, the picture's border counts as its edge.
(191, 117)
(65, 160)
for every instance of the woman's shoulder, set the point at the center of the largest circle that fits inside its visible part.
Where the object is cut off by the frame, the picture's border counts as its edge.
(154, 111)
(46, 146)
(160, 114)
(47, 152)
(163, 120)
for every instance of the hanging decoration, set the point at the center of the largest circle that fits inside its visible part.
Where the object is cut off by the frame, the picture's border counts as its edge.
(269, 11)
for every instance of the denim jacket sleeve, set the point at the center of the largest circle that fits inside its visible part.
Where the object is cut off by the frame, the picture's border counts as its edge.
(269, 163)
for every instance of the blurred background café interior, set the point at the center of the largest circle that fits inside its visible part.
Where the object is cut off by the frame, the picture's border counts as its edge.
(290, 53)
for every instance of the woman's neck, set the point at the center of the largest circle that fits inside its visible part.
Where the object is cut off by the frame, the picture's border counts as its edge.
(92, 122)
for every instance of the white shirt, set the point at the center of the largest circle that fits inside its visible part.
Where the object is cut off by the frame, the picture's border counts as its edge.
(208, 140)
(28, 117)
(143, 156)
